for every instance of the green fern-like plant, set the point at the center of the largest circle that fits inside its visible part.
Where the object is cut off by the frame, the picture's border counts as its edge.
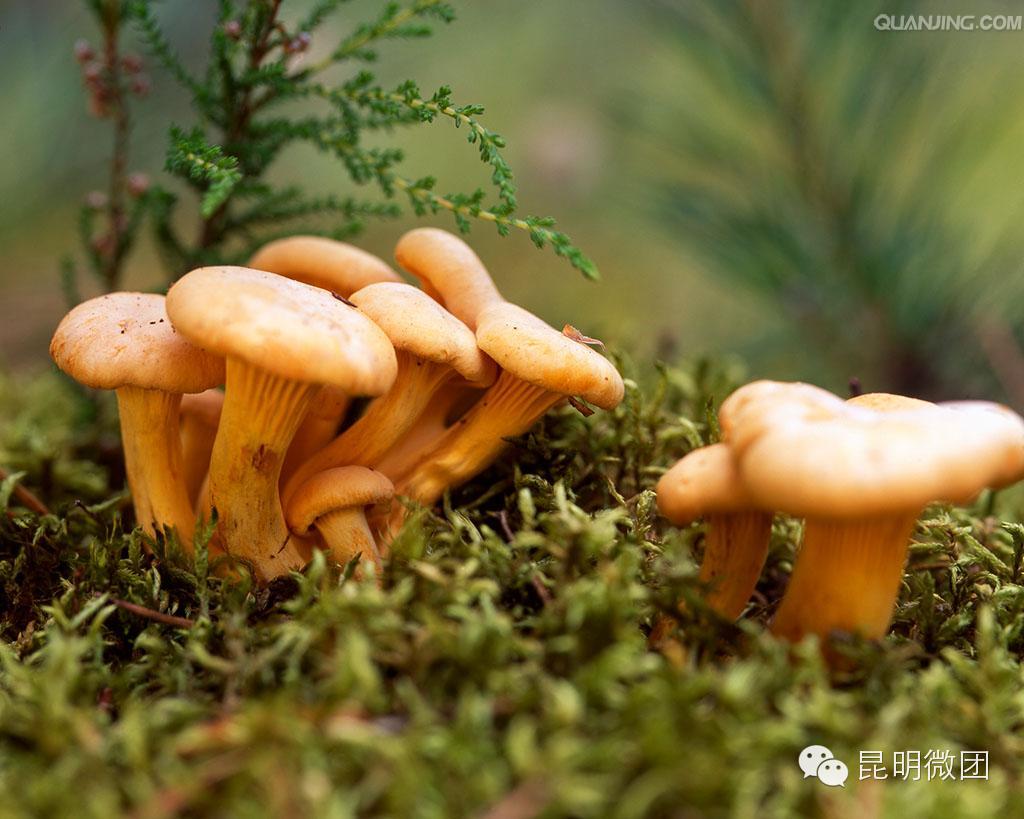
(241, 127)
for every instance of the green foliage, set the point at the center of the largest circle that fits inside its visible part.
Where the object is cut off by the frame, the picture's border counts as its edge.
(255, 67)
(847, 178)
(501, 663)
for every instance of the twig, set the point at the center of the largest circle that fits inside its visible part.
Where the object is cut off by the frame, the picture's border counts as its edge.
(152, 614)
(27, 498)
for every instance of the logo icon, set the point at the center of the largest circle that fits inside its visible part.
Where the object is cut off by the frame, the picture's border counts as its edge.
(818, 761)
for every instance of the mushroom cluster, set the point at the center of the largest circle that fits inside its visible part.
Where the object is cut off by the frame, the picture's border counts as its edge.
(858, 472)
(235, 388)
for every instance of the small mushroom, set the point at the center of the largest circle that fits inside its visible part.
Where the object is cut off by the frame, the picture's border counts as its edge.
(334, 502)
(861, 476)
(705, 484)
(125, 342)
(449, 271)
(326, 263)
(282, 340)
(432, 348)
(539, 368)
(342, 269)
(200, 414)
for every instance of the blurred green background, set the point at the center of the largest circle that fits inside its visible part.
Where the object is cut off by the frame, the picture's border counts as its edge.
(773, 180)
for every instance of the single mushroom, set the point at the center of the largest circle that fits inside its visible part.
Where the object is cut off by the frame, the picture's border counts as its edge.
(861, 475)
(200, 414)
(705, 484)
(539, 368)
(334, 502)
(125, 342)
(449, 271)
(432, 348)
(282, 340)
(343, 269)
(326, 263)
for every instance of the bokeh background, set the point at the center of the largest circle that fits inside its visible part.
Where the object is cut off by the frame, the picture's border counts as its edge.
(775, 181)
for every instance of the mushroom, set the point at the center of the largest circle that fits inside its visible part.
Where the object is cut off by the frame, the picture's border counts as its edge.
(126, 343)
(341, 268)
(539, 368)
(861, 475)
(449, 271)
(705, 484)
(200, 414)
(282, 340)
(322, 262)
(432, 348)
(334, 502)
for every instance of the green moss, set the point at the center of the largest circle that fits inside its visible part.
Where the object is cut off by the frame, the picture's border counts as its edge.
(503, 662)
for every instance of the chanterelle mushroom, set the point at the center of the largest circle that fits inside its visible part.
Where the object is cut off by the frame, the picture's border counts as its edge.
(343, 269)
(282, 340)
(539, 368)
(322, 262)
(861, 476)
(705, 484)
(125, 342)
(335, 503)
(432, 347)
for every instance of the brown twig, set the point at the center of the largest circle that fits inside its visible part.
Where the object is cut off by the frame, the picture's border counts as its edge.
(26, 497)
(152, 614)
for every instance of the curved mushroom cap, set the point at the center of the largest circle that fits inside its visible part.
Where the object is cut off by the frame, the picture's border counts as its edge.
(887, 402)
(204, 407)
(323, 262)
(419, 325)
(282, 326)
(704, 482)
(834, 459)
(760, 404)
(535, 352)
(127, 340)
(344, 487)
(448, 267)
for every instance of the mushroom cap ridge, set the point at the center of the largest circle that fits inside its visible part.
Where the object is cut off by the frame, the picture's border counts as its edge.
(416, 323)
(805, 455)
(291, 329)
(127, 340)
(703, 482)
(532, 350)
(323, 262)
(343, 487)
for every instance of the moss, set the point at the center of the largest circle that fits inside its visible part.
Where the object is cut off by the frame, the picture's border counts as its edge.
(501, 666)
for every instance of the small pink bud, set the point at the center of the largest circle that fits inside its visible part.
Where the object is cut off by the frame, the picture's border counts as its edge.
(233, 29)
(96, 200)
(83, 51)
(92, 72)
(140, 85)
(138, 184)
(131, 63)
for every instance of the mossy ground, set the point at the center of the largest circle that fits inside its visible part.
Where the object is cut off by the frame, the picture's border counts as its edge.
(500, 670)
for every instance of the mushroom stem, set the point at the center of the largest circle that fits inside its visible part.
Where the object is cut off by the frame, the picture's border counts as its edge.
(452, 401)
(317, 430)
(152, 458)
(198, 432)
(508, 408)
(734, 554)
(383, 424)
(347, 534)
(846, 577)
(261, 414)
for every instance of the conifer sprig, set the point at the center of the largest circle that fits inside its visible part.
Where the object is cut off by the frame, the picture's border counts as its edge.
(224, 155)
